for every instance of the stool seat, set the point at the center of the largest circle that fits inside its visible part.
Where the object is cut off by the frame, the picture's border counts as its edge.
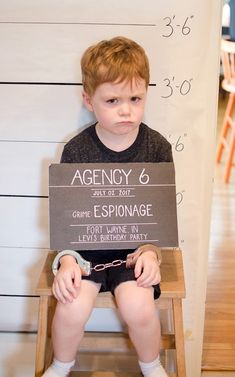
(172, 293)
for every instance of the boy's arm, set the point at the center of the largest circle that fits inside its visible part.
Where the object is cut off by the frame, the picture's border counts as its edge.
(147, 269)
(67, 280)
(132, 258)
(146, 261)
(84, 265)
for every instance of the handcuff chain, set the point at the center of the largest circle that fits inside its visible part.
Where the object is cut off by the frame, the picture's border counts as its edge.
(115, 263)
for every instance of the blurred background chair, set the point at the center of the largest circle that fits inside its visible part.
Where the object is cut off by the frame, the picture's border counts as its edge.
(226, 142)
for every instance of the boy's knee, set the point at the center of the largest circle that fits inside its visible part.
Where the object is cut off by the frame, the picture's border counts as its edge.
(69, 315)
(137, 309)
(142, 316)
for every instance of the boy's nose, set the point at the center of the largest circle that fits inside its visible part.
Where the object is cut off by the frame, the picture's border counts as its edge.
(124, 109)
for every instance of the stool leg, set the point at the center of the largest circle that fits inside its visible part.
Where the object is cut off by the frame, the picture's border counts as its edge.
(229, 162)
(179, 337)
(41, 335)
(225, 126)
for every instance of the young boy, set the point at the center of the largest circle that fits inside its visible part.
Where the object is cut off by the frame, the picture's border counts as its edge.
(115, 80)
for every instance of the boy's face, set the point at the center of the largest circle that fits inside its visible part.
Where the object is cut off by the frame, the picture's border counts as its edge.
(118, 107)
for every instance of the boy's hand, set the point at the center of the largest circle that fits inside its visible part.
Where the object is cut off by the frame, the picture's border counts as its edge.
(147, 271)
(67, 280)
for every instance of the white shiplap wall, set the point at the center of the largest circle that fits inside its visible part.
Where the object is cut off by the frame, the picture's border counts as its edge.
(40, 106)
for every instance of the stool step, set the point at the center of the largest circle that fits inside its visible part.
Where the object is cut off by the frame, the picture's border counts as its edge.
(116, 342)
(104, 374)
(108, 374)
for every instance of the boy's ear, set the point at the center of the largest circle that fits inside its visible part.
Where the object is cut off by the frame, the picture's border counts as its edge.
(87, 101)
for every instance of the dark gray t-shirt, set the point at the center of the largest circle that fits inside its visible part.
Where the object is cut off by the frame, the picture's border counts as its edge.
(149, 146)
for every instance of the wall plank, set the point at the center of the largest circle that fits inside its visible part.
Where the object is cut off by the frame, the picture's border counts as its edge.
(25, 222)
(24, 167)
(26, 319)
(54, 11)
(20, 269)
(41, 113)
(55, 113)
(51, 53)
(19, 314)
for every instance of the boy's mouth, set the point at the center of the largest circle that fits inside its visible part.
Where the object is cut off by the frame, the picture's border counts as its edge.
(125, 123)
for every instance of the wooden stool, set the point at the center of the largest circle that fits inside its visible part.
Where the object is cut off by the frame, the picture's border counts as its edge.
(227, 137)
(173, 290)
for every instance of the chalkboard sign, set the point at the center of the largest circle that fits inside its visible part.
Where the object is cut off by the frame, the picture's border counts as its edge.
(112, 206)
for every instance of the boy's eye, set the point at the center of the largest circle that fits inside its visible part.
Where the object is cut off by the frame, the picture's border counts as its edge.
(135, 99)
(112, 100)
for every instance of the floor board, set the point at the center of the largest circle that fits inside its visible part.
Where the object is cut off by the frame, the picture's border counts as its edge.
(219, 332)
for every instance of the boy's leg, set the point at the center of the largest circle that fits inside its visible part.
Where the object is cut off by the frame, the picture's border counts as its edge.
(68, 328)
(69, 321)
(137, 308)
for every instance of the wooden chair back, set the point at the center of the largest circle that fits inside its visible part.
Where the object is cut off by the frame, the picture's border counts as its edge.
(228, 62)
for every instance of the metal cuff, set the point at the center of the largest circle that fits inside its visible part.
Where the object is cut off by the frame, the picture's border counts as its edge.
(83, 264)
(132, 258)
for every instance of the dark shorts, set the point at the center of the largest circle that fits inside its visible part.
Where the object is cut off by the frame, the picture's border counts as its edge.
(111, 277)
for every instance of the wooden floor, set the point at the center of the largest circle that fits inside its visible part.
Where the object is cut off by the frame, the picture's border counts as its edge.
(219, 333)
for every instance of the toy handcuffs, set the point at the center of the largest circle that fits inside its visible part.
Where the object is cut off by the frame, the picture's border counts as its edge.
(86, 266)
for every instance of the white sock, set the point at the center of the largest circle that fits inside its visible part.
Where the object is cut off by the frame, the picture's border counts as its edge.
(59, 369)
(153, 369)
